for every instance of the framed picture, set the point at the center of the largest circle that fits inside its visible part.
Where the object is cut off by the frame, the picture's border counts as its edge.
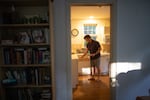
(46, 57)
(38, 36)
(23, 38)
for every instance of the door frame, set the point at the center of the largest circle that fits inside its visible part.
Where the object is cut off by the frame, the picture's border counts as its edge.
(112, 89)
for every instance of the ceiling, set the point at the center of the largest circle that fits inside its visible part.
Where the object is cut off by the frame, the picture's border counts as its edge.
(82, 12)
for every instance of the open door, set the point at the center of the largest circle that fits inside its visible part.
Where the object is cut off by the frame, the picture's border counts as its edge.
(95, 21)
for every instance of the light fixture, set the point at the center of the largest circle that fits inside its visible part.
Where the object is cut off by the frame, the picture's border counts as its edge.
(91, 17)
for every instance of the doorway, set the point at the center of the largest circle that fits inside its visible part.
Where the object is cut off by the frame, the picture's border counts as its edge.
(95, 21)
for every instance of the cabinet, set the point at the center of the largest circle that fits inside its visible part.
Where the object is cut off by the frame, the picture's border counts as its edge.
(104, 63)
(25, 50)
(74, 70)
(107, 34)
(84, 66)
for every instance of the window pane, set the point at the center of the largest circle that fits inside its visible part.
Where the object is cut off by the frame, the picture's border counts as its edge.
(90, 28)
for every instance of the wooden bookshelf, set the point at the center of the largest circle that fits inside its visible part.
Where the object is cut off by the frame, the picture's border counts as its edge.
(25, 50)
(24, 65)
(23, 25)
(26, 45)
(30, 86)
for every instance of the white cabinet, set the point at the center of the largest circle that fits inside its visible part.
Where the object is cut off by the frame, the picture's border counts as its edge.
(104, 64)
(83, 66)
(74, 71)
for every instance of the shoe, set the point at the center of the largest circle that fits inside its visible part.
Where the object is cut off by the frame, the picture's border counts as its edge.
(92, 79)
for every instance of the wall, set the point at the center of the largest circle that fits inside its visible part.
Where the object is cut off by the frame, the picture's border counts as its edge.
(130, 43)
(62, 47)
(132, 46)
(62, 53)
(78, 41)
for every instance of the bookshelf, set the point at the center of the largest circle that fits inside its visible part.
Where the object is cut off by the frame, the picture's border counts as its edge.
(25, 50)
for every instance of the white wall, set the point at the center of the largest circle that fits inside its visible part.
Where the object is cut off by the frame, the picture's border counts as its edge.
(62, 53)
(132, 45)
(79, 24)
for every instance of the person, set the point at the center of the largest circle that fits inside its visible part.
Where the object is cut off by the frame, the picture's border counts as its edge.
(94, 48)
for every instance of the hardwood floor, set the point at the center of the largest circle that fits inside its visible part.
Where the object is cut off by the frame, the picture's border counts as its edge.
(92, 89)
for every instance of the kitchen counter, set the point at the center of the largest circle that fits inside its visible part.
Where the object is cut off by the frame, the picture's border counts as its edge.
(79, 63)
(85, 62)
(74, 70)
(85, 58)
(74, 56)
(104, 63)
(102, 54)
(105, 54)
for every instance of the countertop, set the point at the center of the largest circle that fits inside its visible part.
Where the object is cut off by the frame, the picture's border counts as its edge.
(74, 56)
(78, 55)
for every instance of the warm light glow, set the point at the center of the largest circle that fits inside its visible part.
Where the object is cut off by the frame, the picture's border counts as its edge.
(122, 67)
(91, 17)
(86, 71)
(102, 35)
(90, 20)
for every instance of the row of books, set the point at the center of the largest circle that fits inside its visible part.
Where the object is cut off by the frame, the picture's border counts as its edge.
(26, 55)
(28, 76)
(29, 94)
(29, 36)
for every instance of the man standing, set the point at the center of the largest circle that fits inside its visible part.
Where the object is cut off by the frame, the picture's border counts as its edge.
(94, 48)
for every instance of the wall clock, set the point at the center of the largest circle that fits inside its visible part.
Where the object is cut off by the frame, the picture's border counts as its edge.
(74, 32)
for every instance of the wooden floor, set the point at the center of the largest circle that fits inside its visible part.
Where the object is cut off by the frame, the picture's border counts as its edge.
(92, 89)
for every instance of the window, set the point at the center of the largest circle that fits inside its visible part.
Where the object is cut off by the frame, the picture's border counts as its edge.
(90, 28)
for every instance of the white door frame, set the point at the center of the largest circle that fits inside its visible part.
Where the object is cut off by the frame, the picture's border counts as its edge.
(112, 90)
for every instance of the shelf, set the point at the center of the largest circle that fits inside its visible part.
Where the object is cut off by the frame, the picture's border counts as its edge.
(25, 50)
(24, 65)
(5, 3)
(23, 25)
(26, 45)
(29, 86)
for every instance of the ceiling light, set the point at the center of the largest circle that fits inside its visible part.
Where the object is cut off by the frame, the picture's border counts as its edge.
(91, 17)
